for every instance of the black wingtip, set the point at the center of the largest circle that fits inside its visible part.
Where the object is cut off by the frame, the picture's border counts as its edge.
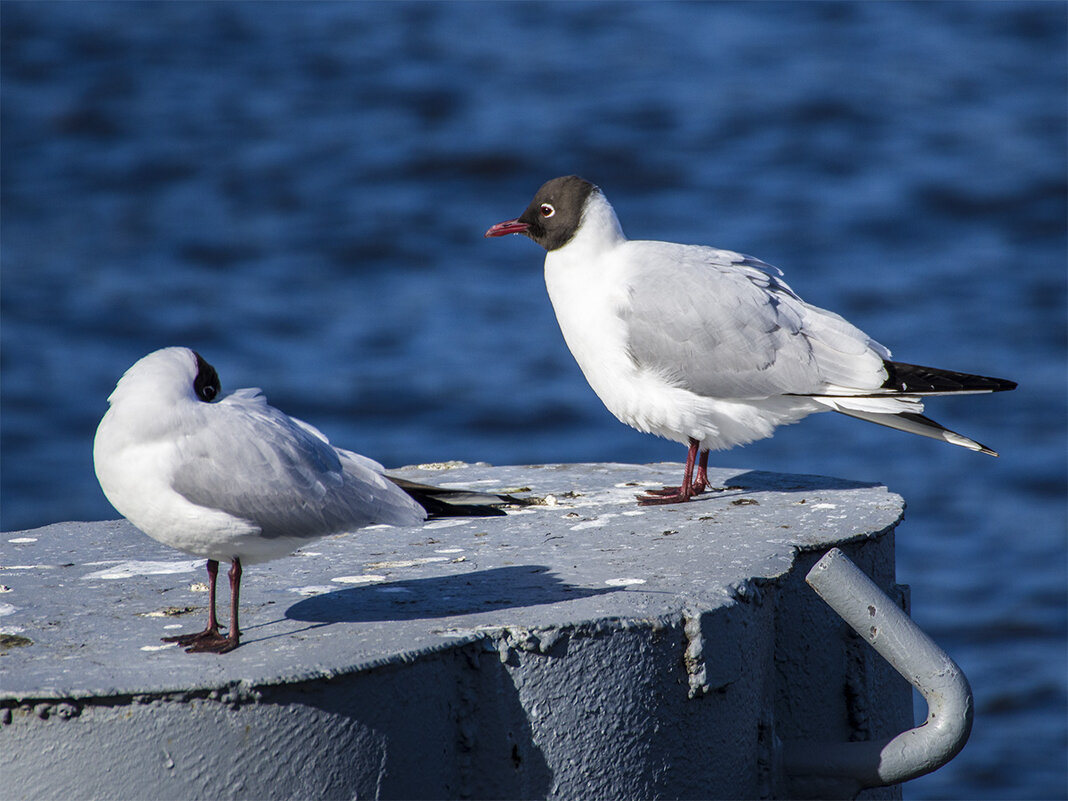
(914, 378)
(447, 502)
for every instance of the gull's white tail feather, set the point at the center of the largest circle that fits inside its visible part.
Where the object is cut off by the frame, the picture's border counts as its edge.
(918, 424)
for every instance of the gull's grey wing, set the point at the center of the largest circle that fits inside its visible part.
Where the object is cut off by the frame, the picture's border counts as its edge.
(724, 325)
(252, 461)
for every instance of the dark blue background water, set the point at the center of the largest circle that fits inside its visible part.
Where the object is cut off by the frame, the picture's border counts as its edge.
(300, 191)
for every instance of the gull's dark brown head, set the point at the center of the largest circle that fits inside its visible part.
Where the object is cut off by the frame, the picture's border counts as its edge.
(554, 215)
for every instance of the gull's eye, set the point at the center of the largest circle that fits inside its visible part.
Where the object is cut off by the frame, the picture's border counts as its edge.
(547, 210)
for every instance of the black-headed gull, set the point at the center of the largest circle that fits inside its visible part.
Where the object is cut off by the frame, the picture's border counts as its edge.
(234, 479)
(708, 347)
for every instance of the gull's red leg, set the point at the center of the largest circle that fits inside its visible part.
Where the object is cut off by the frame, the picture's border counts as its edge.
(700, 482)
(212, 631)
(220, 644)
(678, 494)
(235, 595)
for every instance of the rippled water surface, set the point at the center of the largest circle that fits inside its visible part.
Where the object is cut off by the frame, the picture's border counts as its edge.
(299, 191)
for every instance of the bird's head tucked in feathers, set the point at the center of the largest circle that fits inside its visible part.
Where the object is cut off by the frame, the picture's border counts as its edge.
(167, 376)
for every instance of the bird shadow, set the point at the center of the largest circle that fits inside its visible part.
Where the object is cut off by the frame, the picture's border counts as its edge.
(442, 596)
(761, 481)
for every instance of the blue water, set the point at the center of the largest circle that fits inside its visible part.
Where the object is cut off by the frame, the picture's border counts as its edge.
(299, 191)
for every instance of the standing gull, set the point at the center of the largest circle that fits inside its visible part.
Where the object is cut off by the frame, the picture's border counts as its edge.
(237, 480)
(708, 347)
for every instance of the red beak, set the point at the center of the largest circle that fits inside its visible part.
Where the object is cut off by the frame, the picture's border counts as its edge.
(507, 227)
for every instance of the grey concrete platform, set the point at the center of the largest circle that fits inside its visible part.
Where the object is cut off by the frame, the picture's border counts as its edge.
(580, 647)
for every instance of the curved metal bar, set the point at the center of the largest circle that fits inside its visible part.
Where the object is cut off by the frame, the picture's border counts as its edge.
(876, 618)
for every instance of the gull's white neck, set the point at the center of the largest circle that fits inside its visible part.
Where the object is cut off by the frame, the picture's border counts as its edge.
(579, 275)
(598, 233)
(585, 283)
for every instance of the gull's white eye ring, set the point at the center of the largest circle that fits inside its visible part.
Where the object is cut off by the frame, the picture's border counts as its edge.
(547, 210)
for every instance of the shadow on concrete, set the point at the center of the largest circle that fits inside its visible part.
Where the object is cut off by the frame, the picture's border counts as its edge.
(758, 481)
(441, 596)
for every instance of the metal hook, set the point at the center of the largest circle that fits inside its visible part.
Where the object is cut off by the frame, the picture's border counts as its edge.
(853, 766)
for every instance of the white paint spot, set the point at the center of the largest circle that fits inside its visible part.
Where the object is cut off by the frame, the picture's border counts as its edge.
(599, 522)
(448, 550)
(7, 609)
(446, 523)
(163, 647)
(368, 579)
(623, 582)
(173, 626)
(137, 568)
(23, 539)
(27, 567)
(313, 589)
(407, 562)
(825, 506)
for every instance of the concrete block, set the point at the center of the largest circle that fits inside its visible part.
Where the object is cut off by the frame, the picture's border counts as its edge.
(582, 647)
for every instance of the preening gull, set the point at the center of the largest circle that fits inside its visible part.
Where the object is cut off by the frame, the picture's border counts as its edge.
(234, 479)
